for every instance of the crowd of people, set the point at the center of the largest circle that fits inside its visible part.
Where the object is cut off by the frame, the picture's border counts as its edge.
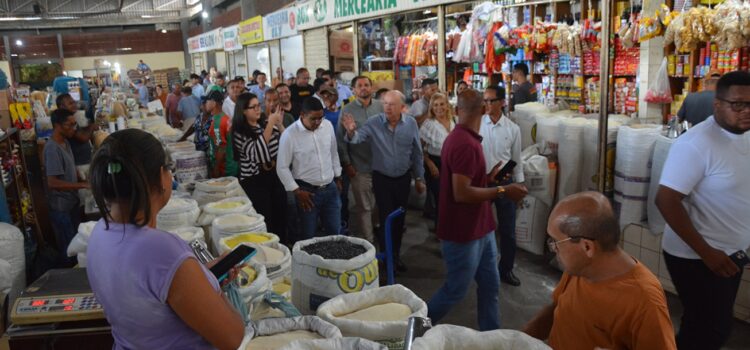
(299, 149)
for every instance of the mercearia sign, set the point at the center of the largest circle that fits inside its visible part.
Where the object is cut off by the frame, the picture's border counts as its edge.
(316, 13)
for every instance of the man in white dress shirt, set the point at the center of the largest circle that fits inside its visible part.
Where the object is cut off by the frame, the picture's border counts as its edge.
(234, 89)
(501, 142)
(308, 165)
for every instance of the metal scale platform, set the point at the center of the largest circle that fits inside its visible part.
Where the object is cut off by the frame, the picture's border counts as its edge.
(59, 308)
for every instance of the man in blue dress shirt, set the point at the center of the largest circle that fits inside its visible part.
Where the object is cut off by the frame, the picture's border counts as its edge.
(396, 159)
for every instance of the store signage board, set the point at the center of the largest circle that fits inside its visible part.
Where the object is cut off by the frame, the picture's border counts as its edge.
(206, 42)
(231, 36)
(280, 24)
(318, 13)
(251, 31)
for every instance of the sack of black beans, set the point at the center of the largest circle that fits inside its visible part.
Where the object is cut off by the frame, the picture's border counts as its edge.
(325, 267)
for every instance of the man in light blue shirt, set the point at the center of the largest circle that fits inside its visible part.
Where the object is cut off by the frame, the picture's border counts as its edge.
(188, 108)
(396, 159)
(344, 91)
(260, 89)
(198, 90)
(142, 93)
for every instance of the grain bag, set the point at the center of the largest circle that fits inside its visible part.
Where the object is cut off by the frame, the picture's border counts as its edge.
(531, 225)
(214, 190)
(635, 146)
(315, 278)
(178, 212)
(656, 221)
(449, 337)
(12, 251)
(347, 343)
(275, 333)
(378, 314)
(234, 205)
(570, 156)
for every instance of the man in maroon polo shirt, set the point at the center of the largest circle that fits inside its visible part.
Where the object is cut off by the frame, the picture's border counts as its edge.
(465, 226)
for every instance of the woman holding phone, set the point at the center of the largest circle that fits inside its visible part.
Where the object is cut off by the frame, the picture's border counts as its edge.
(156, 293)
(256, 145)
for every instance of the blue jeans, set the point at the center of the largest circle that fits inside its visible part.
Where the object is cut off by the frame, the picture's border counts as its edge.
(65, 226)
(506, 229)
(464, 262)
(327, 207)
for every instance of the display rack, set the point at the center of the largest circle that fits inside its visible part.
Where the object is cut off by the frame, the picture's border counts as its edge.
(19, 193)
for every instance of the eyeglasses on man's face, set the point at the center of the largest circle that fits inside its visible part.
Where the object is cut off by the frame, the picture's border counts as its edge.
(736, 106)
(554, 245)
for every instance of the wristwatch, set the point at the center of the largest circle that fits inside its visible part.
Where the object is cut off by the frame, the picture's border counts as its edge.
(500, 191)
(419, 179)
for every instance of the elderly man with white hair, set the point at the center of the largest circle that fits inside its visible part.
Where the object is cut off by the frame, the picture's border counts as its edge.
(396, 159)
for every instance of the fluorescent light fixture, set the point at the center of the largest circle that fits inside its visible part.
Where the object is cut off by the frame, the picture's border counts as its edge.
(427, 12)
(19, 42)
(61, 18)
(10, 19)
(49, 62)
(148, 16)
(204, 14)
(14, 55)
(106, 63)
(164, 31)
(125, 49)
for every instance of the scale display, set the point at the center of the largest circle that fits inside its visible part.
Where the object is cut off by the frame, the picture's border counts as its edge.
(50, 300)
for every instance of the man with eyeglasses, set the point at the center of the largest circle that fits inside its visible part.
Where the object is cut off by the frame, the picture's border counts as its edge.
(501, 142)
(396, 160)
(605, 298)
(465, 226)
(704, 197)
(700, 105)
(308, 165)
(63, 181)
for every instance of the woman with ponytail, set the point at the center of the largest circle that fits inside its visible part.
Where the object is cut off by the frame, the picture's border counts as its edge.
(155, 292)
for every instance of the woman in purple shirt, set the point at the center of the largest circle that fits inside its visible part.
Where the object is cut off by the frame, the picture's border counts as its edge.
(155, 293)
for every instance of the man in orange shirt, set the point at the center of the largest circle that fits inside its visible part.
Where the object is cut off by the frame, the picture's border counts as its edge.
(606, 298)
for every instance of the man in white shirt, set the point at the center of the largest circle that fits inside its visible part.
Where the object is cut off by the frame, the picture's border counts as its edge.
(307, 164)
(501, 142)
(234, 89)
(704, 197)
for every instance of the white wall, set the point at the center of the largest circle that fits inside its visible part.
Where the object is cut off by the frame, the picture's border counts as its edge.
(160, 60)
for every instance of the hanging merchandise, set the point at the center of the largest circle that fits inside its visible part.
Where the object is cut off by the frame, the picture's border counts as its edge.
(659, 91)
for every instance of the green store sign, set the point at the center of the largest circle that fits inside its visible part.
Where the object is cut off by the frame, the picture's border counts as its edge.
(318, 13)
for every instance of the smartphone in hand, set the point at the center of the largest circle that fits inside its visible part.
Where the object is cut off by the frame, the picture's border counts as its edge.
(240, 255)
(507, 168)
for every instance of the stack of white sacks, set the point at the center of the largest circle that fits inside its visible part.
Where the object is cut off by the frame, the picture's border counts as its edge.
(190, 165)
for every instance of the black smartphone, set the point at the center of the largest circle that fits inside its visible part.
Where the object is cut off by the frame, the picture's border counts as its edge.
(507, 168)
(239, 255)
(741, 259)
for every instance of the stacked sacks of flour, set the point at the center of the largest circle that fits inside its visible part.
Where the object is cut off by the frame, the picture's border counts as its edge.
(635, 146)
(190, 165)
(277, 333)
(525, 116)
(214, 190)
(180, 217)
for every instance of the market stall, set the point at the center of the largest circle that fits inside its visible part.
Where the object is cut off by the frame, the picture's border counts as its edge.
(202, 45)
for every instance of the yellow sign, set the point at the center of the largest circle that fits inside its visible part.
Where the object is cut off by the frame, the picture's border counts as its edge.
(251, 30)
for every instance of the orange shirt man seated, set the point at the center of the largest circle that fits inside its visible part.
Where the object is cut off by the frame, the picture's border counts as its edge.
(606, 299)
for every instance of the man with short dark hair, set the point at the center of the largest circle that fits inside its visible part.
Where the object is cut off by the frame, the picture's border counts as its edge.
(605, 298)
(319, 73)
(260, 89)
(173, 100)
(188, 109)
(523, 90)
(220, 153)
(234, 89)
(218, 84)
(63, 180)
(356, 160)
(704, 197)
(285, 99)
(300, 91)
(344, 92)
(272, 102)
(501, 142)
(396, 160)
(465, 226)
(308, 165)
(197, 87)
(420, 109)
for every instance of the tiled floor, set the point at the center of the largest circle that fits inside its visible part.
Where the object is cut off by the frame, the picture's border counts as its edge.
(517, 304)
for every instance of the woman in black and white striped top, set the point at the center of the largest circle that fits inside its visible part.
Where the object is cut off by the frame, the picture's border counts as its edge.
(256, 144)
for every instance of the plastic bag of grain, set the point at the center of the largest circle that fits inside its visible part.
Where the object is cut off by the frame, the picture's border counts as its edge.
(276, 257)
(181, 146)
(239, 228)
(12, 251)
(190, 166)
(253, 283)
(449, 337)
(570, 156)
(234, 205)
(189, 233)
(547, 133)
(80, 241)
(531, 224)
(325, 267)
(214, 190)
(179, 212)
(635, 146)
(275, 333)
(379, 314)
(346, 343)
(536, 171)
(662, 146)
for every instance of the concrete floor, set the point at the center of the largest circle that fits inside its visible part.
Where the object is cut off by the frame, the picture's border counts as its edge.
(421, 253)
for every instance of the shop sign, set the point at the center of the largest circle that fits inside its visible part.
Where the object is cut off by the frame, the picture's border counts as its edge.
(206, 42)
(317, 13)
(280, 24)
(251, 31)
(231, 37)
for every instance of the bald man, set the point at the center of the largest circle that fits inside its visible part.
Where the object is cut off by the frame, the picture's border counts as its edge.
(396, 160)
(606, 298)
(465, 226)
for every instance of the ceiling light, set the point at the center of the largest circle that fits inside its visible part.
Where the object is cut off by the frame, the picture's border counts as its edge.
(14, 55)
(125, 49)
(62, 17)
(164, 31)
(106, 63)
(148, 16)
(8, 19)
(49, 62)
(19, 42)
(427, 12)
(204, 14)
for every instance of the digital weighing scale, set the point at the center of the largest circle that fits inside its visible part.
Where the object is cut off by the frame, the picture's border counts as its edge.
(60, 295)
